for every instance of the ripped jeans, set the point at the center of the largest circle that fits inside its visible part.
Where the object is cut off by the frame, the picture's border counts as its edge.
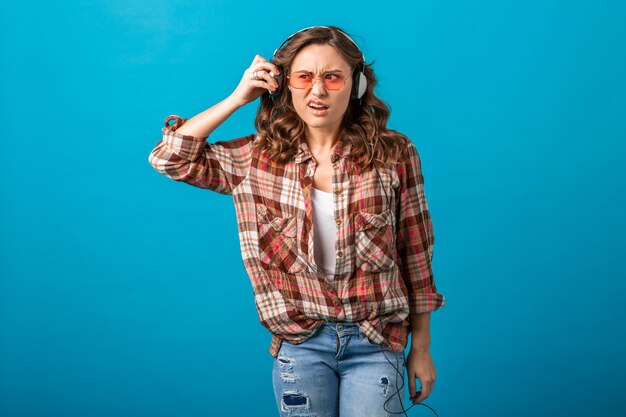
(338, 372)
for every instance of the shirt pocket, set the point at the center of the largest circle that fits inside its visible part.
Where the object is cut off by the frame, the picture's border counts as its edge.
(278, 247)
(373, 240)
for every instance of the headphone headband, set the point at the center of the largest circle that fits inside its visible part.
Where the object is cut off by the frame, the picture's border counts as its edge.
(312, 27)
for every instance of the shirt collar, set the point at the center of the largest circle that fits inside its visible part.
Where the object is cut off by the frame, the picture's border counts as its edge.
(341, 149)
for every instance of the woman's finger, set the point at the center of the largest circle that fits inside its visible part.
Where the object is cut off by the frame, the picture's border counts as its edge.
(427, 388)
(256, 78)
(264, 76)
(258, 58)
(263, 84)
(266, 66)
(265, 70)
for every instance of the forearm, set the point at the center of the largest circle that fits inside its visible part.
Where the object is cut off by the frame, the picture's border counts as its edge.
(420, 331)
(203, 124)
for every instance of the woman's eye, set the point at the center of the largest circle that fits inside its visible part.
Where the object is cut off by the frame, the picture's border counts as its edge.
(333, 77)
(304, 76)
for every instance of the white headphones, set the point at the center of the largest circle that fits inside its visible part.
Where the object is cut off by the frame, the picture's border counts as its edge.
(359, 84)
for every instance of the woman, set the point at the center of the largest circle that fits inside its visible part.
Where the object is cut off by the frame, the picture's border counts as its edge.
(333, 223)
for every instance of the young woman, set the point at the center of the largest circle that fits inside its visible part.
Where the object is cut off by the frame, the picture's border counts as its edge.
(333, 224)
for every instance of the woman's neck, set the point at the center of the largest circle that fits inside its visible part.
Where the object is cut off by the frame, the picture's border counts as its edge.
(322, 140)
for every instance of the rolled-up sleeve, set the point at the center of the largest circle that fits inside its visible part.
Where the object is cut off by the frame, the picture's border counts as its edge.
(415, 237)
(218, 166)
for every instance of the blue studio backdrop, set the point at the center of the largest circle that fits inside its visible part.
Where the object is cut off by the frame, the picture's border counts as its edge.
(123, 293)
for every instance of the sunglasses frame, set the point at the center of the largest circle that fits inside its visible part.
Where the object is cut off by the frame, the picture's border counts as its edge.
(313, 78)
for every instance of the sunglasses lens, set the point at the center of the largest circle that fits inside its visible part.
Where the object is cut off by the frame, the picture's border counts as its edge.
(300, 80)
(333, 81)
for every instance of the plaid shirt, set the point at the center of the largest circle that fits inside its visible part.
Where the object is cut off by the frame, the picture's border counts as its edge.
(384, 234)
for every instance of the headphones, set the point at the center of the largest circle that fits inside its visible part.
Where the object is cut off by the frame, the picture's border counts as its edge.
(359, 81)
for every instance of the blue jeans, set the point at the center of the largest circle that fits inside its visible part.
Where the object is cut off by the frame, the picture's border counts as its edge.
(338, 372)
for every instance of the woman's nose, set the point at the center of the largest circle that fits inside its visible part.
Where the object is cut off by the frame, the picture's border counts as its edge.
(317, 87)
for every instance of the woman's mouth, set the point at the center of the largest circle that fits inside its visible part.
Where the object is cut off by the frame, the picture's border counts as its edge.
(318, 109)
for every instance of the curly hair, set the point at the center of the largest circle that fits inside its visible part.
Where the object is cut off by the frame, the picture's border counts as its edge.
(364, 123)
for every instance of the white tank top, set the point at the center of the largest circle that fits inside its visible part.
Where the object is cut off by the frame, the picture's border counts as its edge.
(324, 231)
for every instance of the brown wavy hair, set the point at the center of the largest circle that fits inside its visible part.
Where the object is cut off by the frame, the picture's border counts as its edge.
(364, 124)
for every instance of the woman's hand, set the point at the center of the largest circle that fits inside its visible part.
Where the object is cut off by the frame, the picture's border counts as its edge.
(250, 89)
(419, 364)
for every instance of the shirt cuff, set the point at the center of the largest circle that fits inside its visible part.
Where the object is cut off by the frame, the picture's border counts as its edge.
(185, 146)
(425, 302)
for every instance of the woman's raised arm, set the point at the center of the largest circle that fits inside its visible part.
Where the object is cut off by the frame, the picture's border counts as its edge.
(248, 90)
(183, 154)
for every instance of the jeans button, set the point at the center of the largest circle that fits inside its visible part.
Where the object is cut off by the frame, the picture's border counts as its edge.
(339, 327)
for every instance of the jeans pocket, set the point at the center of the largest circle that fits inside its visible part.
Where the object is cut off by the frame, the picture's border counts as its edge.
(366, 340)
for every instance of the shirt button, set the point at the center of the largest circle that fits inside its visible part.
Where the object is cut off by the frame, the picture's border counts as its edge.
(338, 221)
(340, 253)
(336, 302)
(338, 190)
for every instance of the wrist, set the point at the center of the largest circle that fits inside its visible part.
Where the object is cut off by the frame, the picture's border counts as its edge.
(233, 103)
(420, 343)
(420, 347)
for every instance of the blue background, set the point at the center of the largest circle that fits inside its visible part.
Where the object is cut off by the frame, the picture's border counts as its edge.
(123, 293)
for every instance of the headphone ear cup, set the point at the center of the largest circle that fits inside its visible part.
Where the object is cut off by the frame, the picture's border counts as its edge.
(362, 85)
(359, 85)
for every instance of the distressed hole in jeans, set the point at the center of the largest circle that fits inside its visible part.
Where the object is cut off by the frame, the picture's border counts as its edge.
(288, 377)
(294, 402)
(384, 382)
(286, 362)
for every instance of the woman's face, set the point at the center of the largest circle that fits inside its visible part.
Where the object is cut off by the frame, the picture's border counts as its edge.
(319, 60)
